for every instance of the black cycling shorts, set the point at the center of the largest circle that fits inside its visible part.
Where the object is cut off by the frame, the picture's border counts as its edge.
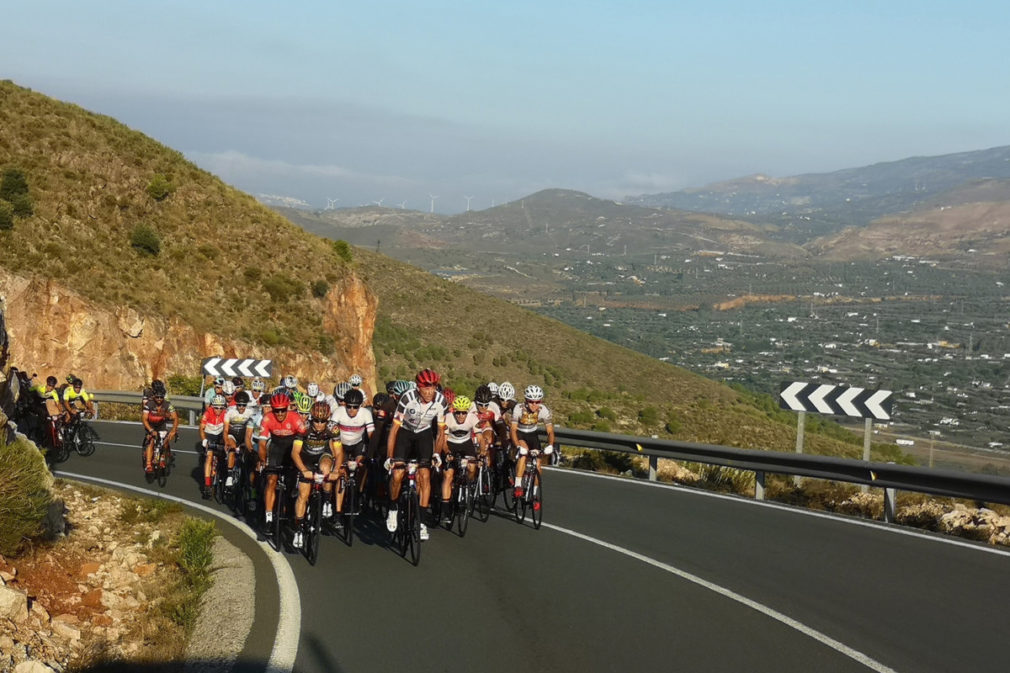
(532, 440)
(352, 451)
(279, 452)
(414, 446)
(468, 448)
(311, 460)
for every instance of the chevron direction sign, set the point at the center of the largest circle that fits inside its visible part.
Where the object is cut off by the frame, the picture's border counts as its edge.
(824, 398)
(236, 367)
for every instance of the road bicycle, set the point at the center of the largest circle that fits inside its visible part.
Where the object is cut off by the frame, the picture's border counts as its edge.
(313, 525)
(217, 479)
(462, 498)
(161, 460)
(347, 484)
(531, 499)
(483, 497)
(408, 516)
(78, 435)
(281, 509)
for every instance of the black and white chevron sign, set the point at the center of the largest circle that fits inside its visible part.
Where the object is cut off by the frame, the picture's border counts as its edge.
(237, 367)
(824, 398)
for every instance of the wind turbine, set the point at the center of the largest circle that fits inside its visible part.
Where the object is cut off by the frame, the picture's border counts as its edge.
(331, 203)
(468, 199)
(379, 202)
(433, 197)
(403, 204)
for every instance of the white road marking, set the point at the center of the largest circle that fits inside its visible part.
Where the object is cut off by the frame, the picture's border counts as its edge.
(839, 647)
(289, 622)
(137, 446)
(895, 529)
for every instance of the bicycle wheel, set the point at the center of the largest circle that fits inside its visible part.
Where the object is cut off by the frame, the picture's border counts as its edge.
(414, 529)
(508, 484)
(536, 501)
(218, 480)
(312, 528)
(483, 499)
(402, 535)
(350, 504)
(278, 528)
(522, 502)
(464, 504)
(86, 441)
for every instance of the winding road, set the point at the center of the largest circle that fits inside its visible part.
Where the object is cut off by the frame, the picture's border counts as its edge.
(626, 576)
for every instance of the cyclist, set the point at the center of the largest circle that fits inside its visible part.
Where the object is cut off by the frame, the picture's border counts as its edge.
(318, 450)
(212, 436)
(47, 409)
(410, 438)
(339, 391)
(303, 403)
(228, 390)
(156, 384)
(158, 412)
(74, 396)
(489, 414)
(257, 400)
(355, 381)
(238, 429)
(525, 420)
(355, 425)
(216, 389)
(277, 435)
(459, 429)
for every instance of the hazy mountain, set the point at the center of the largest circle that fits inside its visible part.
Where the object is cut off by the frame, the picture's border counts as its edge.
(818, 203)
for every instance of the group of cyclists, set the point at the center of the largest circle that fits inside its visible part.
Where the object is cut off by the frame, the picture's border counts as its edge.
(50, 413)
(251, 438)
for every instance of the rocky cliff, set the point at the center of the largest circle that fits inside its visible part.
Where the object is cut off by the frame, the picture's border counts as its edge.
(55, 330)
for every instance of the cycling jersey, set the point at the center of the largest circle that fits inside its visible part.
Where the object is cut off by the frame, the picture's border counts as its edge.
(527, 420)
(352, 430)
(488, 416)
(461, 432)
(42, 395)
(315, 445)
(415, 415)
(213, 421)
(238, 421)
(70, 395)
(158, 414)
(281, 434)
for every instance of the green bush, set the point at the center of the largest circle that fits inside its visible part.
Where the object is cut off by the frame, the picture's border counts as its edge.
(24, 495)
(22, 205)
(281, 288)
(196, 539)
(343, 250)
(252, 274)
(648, 416)
(320, 288)
(183, 385)
(159, 187)
(6, 216)
(13, 183)
(145, 240)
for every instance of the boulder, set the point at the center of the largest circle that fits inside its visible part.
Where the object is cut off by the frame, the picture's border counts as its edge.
(32, 667)
(13, 605)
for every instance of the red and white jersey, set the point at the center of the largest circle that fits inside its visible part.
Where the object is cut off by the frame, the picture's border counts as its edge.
(213, 421)
(461, 432)
(416, 415)
(488, 417)
(352, 429)
(292, 426)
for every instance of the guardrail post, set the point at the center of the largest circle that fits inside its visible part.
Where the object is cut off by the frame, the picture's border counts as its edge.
(867, 436)
(192, 417)
(890, 504)
(653, 467)
(759, 485)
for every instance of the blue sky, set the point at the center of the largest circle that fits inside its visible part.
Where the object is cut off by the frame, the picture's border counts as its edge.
(399, 100)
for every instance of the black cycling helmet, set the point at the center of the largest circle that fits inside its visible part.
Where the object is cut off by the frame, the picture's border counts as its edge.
(389, 386)
(378, 399)
(483, 395)
(51, 381)
(158, 386)
(241, 397)
(354, 397)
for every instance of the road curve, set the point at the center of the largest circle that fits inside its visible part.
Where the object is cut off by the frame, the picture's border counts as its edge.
(689, 581)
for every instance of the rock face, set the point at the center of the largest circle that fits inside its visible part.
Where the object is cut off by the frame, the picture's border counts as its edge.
(56, 330)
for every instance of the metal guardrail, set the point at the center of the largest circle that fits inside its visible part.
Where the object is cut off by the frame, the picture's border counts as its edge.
(193, 405)
(888, 476)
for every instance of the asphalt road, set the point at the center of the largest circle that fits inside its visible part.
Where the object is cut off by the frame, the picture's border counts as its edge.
(719, 584)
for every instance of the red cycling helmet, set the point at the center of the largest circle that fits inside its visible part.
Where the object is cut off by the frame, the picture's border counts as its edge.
(279, 402)
(427, 377)
(449, 396)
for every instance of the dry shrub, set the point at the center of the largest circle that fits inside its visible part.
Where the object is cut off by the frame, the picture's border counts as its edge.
(25, 495)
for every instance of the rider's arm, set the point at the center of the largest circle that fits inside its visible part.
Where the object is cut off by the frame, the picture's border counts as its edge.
(514, 432)
(337, 448)
(391, 442)
(296, 457)
(549, 427)
(174, 432)
(147, 425)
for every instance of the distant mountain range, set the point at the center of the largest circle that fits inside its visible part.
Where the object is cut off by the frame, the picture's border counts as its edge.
(807, 206)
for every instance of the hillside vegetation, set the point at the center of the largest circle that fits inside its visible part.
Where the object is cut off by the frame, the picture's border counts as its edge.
(127, 221)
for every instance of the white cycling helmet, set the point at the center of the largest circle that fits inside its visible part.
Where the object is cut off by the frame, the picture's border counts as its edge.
(534, 393)
(506, 391)
(258, 385)
(290, 381)
(494, 388)
(341, 389)
(355, 380)
(312, 390)
(228, 388)
(219, 402)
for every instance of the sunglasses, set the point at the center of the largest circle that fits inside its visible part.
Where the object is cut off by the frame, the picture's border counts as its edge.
(532, 401)
(457, 411)
(482, 404)
(240, 406)
(353, 406)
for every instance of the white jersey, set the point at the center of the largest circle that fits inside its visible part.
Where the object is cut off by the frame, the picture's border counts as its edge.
(488, 417)
(352, 430)
(461, 433)
(415, 415)
(238, 421)
(526, 420)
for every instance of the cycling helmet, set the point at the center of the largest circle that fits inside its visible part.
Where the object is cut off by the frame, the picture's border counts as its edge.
(157, 386)
(379, 399)
(411, 385)
(534, 393)
(427, 377)
(258, 385)
(400, 387)
(483, 395)
(219, 402)
(449, 394)
(304, 403)
(219, 381)
(493, 387)
(241, 397)
(312, 390)
(280, 402)
(290, 381)
(51, 381)
(77, 382)
(354, 397)
(239, 383)
(461, 403)
(506, 391)
(228, 388)
(70, 378)
(389, 387)
(340, 391)
(320, 412)
(355, 380)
